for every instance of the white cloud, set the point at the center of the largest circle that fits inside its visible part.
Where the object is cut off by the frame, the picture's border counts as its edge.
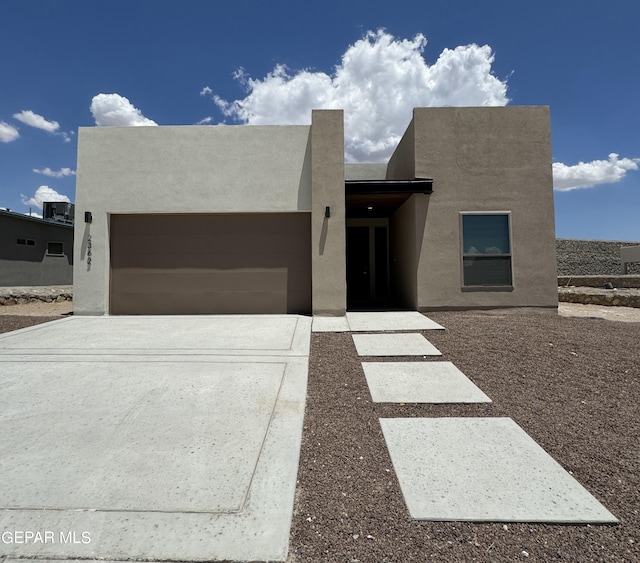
(116, 110)
(8, 133)
(206, 91)
(378, 83)
(43, 193)
(589, 174)
(34, 120)
(55, 174)
(33, 214)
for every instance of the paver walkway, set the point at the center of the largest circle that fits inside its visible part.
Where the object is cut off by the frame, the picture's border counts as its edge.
(394, 345)
(483, 470)
(462, 469)
(420, 382)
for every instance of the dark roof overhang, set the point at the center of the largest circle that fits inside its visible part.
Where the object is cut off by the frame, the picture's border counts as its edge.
(411, 186)
(381, 198)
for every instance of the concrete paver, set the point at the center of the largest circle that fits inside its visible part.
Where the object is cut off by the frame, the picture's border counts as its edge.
(375, 321)
(139, 444)
(390, 321)
(485, 470)
(420, 382)
(330, 324)
(394, 345)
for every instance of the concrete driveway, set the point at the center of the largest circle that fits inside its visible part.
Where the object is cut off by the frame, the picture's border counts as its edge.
(151, 437)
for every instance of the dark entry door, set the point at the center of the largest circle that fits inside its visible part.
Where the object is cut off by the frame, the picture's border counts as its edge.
(367, 265)
(358, 264)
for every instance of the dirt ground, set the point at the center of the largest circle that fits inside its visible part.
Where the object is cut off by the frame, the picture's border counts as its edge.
(37, 309)
(624, 314)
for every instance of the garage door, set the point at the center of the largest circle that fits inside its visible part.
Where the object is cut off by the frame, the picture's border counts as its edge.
(210, 263)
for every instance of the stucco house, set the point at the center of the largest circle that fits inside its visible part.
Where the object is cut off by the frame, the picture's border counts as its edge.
(269, 219)
(37, 251)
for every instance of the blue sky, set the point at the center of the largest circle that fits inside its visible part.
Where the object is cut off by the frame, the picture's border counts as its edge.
(196, 61)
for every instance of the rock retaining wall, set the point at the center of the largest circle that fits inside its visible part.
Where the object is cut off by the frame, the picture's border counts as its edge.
(599, 281)
(22, 295)
(595, 296)
(592, 257)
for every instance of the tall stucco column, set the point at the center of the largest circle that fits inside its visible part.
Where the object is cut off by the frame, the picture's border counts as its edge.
(328, 252)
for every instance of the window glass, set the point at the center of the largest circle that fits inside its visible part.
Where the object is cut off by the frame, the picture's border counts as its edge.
(56, 248)
(486, 258)
(484, 270)
(486, 234)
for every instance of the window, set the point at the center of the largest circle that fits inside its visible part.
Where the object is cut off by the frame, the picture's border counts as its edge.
(26, 241)
(486, 250)
(55, 248)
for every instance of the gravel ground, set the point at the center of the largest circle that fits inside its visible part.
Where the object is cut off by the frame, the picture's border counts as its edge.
(572, 383)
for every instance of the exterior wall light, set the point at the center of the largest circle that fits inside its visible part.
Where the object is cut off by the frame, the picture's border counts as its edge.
(88, 217)
(327, 211)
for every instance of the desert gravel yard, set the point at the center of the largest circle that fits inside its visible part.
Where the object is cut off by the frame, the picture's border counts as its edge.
(573, 384)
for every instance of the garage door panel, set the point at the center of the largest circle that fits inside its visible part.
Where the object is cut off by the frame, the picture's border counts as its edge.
(210, 224)
(213, 303)
(229, 244)
(227, 259)
(298, 301)
(232, 263)
(248, 279)
(140, 280)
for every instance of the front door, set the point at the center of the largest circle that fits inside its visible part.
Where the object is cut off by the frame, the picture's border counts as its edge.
(367, 263)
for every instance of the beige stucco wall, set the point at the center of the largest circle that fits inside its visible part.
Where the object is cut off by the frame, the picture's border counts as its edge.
(485, 159)
(406, 238)
(328, 242)
(402, 164)
(365, 171)
(191, 169)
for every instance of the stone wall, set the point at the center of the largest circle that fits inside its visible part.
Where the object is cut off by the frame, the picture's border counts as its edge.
(591, 257)
(631, 280)
(595, 296)
(21, 295)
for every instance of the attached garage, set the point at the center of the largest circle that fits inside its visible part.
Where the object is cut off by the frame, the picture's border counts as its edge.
(169, 264)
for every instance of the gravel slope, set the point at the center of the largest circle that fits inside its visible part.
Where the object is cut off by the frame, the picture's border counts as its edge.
(572, 383)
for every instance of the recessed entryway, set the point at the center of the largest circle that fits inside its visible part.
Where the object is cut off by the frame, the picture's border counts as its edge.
(367, 262)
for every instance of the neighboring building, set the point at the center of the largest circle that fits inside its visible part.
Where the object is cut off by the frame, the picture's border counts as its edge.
(36, 251)
(268, 219)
